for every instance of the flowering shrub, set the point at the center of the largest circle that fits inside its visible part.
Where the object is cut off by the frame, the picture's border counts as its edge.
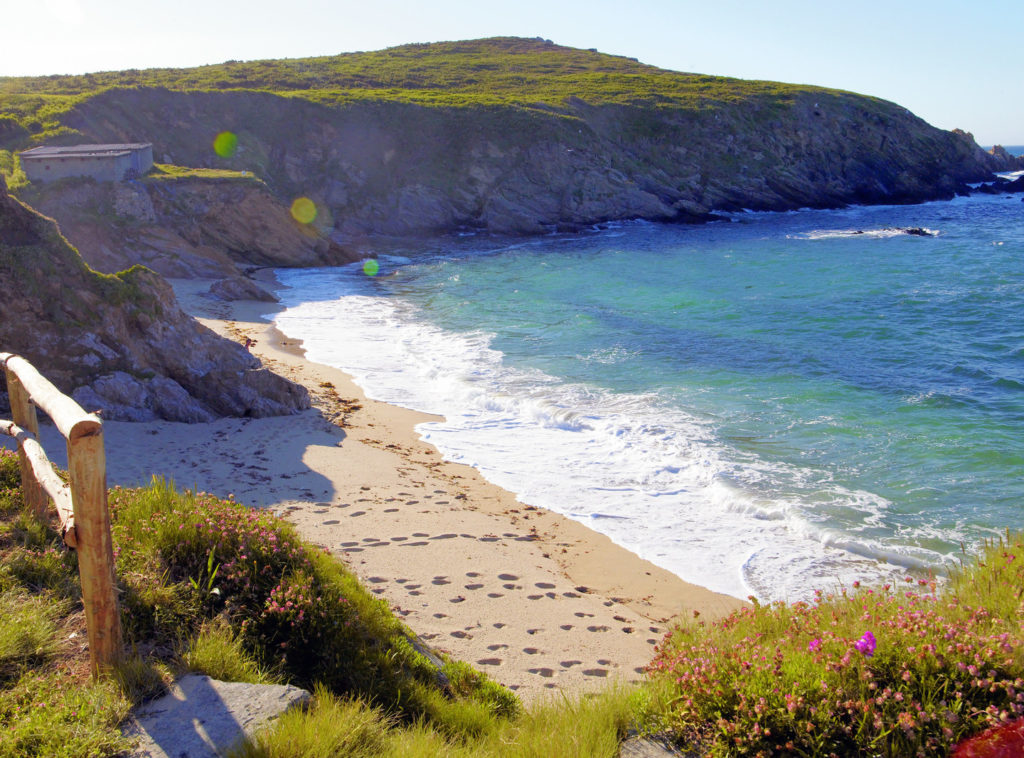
(1005, 741)
(296, 609)
(894, 672)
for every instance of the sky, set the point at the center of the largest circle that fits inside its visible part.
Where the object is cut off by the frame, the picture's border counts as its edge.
(955, 64)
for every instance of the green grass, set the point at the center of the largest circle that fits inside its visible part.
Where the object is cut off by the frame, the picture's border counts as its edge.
(502, 71)
(162, 172)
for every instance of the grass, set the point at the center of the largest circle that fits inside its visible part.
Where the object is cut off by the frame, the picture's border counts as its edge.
(497, 72)
(162, 172)
(211, 586)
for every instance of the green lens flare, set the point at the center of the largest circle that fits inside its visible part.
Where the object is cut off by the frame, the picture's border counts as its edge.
(225, 144)
(371, 267)
(304, 210)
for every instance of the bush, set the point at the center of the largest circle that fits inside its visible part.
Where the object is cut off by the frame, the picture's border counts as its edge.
(872, 672)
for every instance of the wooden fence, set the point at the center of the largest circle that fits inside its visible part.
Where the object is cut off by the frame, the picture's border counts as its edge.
(81, 504)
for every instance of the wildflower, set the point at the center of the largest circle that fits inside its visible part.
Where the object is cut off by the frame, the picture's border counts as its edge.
(866, 644)
(814, 645)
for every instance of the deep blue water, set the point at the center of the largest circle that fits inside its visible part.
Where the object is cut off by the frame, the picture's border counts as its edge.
(768, 405)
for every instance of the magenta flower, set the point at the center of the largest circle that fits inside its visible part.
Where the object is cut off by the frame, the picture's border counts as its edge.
(866, 644)
(814, 645)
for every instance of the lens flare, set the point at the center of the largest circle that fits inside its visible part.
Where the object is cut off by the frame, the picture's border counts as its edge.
(225, 144)
(370, 267)
(303, 210)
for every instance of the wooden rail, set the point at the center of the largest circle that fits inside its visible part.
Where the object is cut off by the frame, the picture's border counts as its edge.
(81, 504)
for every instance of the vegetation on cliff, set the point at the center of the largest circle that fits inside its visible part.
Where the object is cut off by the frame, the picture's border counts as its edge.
(505, 134)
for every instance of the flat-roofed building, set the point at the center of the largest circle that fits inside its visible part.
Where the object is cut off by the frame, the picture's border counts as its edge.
(112, 163)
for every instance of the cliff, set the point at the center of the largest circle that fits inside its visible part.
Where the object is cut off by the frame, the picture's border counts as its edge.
(512, 136)
(186, 227)
(120, 343)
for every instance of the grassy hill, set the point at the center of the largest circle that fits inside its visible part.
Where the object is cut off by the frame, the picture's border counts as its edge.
(504, 134)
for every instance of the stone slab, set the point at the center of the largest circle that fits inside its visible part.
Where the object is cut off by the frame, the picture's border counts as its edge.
(202, 718)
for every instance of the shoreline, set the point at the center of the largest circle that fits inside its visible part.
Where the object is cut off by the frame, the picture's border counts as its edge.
(534, 599)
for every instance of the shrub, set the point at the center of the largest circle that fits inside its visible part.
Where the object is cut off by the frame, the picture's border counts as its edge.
(892, 671)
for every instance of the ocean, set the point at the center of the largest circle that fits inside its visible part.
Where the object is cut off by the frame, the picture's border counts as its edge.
(766, 406)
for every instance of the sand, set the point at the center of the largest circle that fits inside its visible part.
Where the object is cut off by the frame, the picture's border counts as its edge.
(537, 601)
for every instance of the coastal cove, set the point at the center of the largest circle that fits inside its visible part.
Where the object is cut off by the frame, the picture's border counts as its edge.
(770, 406)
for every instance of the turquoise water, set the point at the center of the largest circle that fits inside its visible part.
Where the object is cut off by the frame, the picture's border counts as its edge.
(768, 405)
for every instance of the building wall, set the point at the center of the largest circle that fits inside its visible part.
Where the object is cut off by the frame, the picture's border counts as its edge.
(101, 167)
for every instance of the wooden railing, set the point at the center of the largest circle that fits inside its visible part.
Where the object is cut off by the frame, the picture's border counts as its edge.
(81, 504)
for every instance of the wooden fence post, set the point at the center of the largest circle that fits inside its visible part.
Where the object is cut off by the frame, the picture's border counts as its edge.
(23, 413)
(88, 473)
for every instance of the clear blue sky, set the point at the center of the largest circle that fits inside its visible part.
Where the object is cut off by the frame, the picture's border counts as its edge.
(955, 64)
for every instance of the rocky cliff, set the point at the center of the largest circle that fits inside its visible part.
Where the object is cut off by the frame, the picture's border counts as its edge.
(182, 227)
(400, 168)
(120, 343)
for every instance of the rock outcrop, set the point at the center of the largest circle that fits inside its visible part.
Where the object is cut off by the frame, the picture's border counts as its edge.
(120, 343)
(400, 168)
(182, 227)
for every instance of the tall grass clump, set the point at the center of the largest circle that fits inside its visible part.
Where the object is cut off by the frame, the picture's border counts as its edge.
(291, 608)
(895, 671)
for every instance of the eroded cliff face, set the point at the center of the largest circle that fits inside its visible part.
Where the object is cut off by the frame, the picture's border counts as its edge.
(120, 343)
(397, 168)
(190, 227)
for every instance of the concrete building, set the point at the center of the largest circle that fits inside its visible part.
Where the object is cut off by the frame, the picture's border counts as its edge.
(112, 163)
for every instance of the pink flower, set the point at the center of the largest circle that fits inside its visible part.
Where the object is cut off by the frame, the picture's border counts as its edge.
(814, 645)
(866, 644)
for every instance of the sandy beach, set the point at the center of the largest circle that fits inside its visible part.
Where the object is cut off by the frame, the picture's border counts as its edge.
(536, 600)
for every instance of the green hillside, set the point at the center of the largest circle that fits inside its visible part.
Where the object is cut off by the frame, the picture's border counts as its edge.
(497, 71)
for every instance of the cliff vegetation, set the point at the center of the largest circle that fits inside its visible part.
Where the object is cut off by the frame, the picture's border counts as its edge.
(505, 135)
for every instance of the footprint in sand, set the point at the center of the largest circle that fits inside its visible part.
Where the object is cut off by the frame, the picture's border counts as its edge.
(603, 662)
(448, 536)
(499, 625)
(357, 513)
(531, 650)
(331, 522)
(488, 539)
(565, 627)
(376, 580)
(458, 599)
(507, 577)
(580, 614)
(440, 615)
(533, 631)
(419, 534)
(391, 510)
(495, 594)
(412, 502)
(595, 672)
(472, 574)
(473, 586)
(569, 664)
(371, 539)
(639, 670)
(544, 585)
(511, 586)
(415, 592)
(544, 672)
(628, 629)
(534, 597)
(570, 594)
(349, 544)
(654, 629)
(601, 628)
(489, 662)
(440, 492)
(498, 646)
(352, 550)
(652, 642)
(468, 536)
(399, 539)
(461, 635)
(441, 580)
(413, 586)
(414, 544)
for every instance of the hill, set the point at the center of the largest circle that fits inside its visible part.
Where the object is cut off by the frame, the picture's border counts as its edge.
(505, 135)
